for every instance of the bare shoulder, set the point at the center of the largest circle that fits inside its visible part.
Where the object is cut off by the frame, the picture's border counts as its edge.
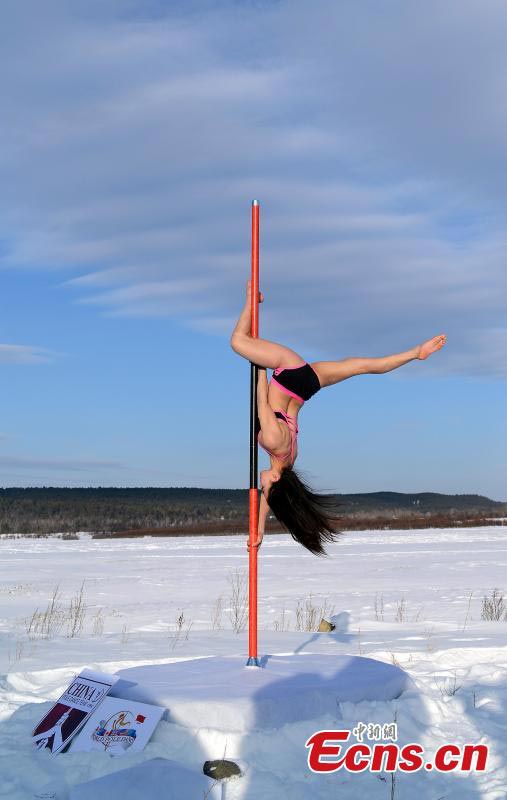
(273, 435)
(268, 420)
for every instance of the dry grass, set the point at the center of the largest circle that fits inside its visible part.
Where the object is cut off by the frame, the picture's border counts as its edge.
(218, 610)
(494, 608)
(449, 686)
(400, 611)
(98, 623)
(76, 614)
(468, 610)
(379, 607)
(56, 617)
(430, 642)
(238, 599)
(282, 623)
(48, 623)
(309, 615)
(181, 629)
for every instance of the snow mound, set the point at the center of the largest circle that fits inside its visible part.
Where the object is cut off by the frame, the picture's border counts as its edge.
(220, 692)
(149, 780)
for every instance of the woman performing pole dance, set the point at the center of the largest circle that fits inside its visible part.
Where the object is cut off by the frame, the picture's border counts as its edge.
(305, 514)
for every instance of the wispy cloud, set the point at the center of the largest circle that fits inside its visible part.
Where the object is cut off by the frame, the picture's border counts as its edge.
(24, 354)
(29, 464)
(42, 471)
(155, 298)
(221, 326)
(383, 205)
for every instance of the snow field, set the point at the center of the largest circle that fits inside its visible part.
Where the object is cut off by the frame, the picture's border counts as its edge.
(410, 598)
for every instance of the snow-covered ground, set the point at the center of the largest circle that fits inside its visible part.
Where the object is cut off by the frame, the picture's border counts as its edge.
(409, 598)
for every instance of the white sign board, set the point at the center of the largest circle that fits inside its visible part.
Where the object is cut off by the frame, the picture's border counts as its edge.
(118, 726)
(70, 712)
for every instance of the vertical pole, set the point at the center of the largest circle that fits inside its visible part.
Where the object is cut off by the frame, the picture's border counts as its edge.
(253, 494)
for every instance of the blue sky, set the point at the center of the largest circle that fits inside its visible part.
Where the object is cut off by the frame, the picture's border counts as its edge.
(131, 146)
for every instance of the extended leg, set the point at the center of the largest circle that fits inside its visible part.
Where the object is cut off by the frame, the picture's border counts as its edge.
(331, 372)
(260, 351)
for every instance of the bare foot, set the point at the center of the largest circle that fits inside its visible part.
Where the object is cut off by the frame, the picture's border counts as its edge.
(249, 291)
(429, 347)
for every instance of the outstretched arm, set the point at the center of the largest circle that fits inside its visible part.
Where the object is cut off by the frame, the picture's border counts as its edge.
(269, 424)
(263, 513)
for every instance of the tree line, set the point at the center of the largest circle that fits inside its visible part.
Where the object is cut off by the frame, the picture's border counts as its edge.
(108, 510)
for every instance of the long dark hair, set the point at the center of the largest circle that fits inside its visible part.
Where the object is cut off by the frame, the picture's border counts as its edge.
(306, 515)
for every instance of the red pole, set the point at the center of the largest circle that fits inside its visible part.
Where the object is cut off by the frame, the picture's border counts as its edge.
(255, 270)
(253, 494)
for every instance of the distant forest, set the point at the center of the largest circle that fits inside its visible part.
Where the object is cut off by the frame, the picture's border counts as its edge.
(179, 511)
